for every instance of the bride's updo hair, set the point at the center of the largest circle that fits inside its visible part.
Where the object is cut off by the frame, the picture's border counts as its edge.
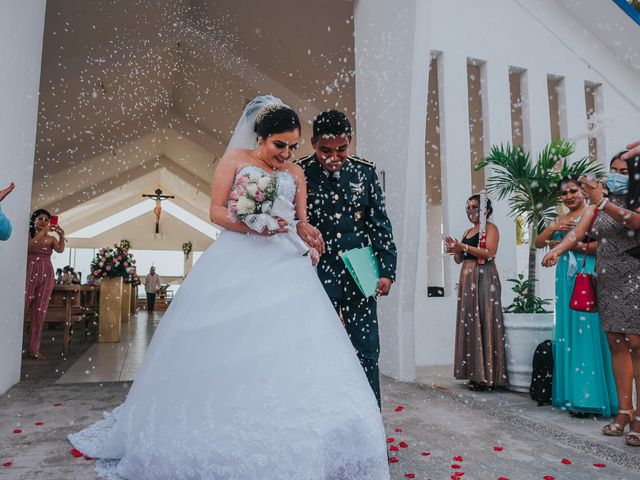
(276, 118)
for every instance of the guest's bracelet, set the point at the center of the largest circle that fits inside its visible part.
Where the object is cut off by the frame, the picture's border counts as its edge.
(466, 248)
(602, 203)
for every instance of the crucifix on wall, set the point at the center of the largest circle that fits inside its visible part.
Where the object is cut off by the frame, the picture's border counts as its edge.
(158, 197)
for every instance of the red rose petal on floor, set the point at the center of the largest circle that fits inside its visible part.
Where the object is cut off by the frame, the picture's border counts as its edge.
(455, 466)
(457, 458)
(566, 461)
(39, 424)
(498, 449)
(425, 454)
(393, 460)
(399, 430)
(458, 474)
(503, 478)
(76, 453)
(7, 464)
(17, 430)
(599, 465)
(399, 408)
(549, 477)
(57, 404)
(403, 445)
(87, 457)
(391, 440)
(410, 475)
(393, 448)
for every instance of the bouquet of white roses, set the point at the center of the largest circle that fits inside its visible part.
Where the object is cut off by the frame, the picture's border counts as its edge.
(253, 200)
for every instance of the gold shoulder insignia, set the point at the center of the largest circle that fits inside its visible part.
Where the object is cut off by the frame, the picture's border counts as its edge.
(362, 161)
(303, 159)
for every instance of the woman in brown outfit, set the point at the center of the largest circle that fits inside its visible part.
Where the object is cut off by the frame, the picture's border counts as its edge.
(479, 353)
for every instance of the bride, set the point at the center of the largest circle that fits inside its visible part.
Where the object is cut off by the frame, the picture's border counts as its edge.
(250, 374)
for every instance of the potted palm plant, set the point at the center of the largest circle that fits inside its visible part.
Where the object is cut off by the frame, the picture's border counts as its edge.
(530, 188)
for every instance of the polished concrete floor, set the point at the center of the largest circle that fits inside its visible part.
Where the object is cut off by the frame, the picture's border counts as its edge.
(437, 428)
(115, 362)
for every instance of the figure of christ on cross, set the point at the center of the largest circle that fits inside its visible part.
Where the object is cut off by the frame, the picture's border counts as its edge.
(158, 197)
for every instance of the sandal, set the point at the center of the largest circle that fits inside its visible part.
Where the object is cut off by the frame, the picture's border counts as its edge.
(633, 438)
(614, 429)
(36, 355)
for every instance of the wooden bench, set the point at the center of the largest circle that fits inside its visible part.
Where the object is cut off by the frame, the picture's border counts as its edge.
(71, 304)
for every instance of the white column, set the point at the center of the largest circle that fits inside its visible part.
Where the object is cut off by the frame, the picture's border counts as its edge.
(536, 113)
(576, 115)
(455, 153)
(392, 68)
(22, 24)
(535, 110)
(497, 112)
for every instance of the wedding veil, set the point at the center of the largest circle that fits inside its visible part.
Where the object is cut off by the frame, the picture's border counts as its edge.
(244, 135)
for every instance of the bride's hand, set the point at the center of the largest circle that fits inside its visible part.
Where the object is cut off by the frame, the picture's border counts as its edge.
(315, 256)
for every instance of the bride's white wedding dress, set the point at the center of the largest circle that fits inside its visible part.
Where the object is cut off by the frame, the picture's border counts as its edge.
(250, 375)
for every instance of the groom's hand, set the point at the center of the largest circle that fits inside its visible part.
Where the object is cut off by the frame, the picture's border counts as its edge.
(384, 286)
(311, 236)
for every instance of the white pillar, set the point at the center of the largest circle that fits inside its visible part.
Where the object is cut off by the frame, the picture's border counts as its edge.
(392, 69)
(497, 108)
(455, 154)
(576, 114)
(536, 112)
(22, 24)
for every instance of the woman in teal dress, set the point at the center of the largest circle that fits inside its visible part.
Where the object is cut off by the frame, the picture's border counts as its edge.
(583, 382)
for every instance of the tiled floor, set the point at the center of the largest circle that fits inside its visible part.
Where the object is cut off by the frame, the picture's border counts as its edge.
(115, 362)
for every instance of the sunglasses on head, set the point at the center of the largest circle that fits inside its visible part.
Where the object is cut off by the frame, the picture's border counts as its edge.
(563, 193)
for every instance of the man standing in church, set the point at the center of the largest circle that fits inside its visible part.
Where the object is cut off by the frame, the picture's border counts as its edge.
(345, 202)
(151, 286)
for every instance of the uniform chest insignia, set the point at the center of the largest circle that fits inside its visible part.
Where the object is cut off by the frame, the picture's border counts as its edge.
(358, 216)
(356, 187)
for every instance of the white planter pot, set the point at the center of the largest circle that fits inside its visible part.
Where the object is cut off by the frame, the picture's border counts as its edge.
(523, 333)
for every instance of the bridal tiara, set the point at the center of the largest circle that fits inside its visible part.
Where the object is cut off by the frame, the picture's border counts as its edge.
(272, 107)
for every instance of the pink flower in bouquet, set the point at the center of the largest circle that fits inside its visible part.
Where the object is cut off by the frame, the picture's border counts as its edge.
(126, 264)
(233, 208)
(242, 180)
(108, 267)
(234, 195)
(97, 272)
(260, 196)
(241, 190)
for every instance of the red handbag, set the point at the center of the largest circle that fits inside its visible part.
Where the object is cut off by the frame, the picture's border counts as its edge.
(583, 298)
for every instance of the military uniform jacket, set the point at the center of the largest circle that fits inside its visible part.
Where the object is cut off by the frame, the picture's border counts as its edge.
(350, 213)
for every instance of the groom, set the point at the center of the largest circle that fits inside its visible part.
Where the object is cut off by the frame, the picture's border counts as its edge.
(345, 202)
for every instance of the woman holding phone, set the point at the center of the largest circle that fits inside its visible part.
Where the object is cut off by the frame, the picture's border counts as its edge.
(40, 275)
(615, 228)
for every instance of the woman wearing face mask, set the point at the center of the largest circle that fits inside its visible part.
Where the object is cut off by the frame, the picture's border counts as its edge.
(617, 287)
(479, 351)
(583, 380)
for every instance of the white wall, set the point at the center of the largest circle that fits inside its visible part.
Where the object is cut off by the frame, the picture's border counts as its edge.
(22, 24)
(543, 38)
(392, 66)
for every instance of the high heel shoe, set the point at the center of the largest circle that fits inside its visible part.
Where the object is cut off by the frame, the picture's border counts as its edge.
(614, 429)
(633, 438)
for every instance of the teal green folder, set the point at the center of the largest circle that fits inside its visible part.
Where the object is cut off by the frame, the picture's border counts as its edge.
(363, 267)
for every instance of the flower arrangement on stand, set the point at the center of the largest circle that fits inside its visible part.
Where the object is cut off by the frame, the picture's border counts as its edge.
(112, 262)
(187, 247)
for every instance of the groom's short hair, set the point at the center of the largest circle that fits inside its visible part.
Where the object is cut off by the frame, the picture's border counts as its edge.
(331, 123)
